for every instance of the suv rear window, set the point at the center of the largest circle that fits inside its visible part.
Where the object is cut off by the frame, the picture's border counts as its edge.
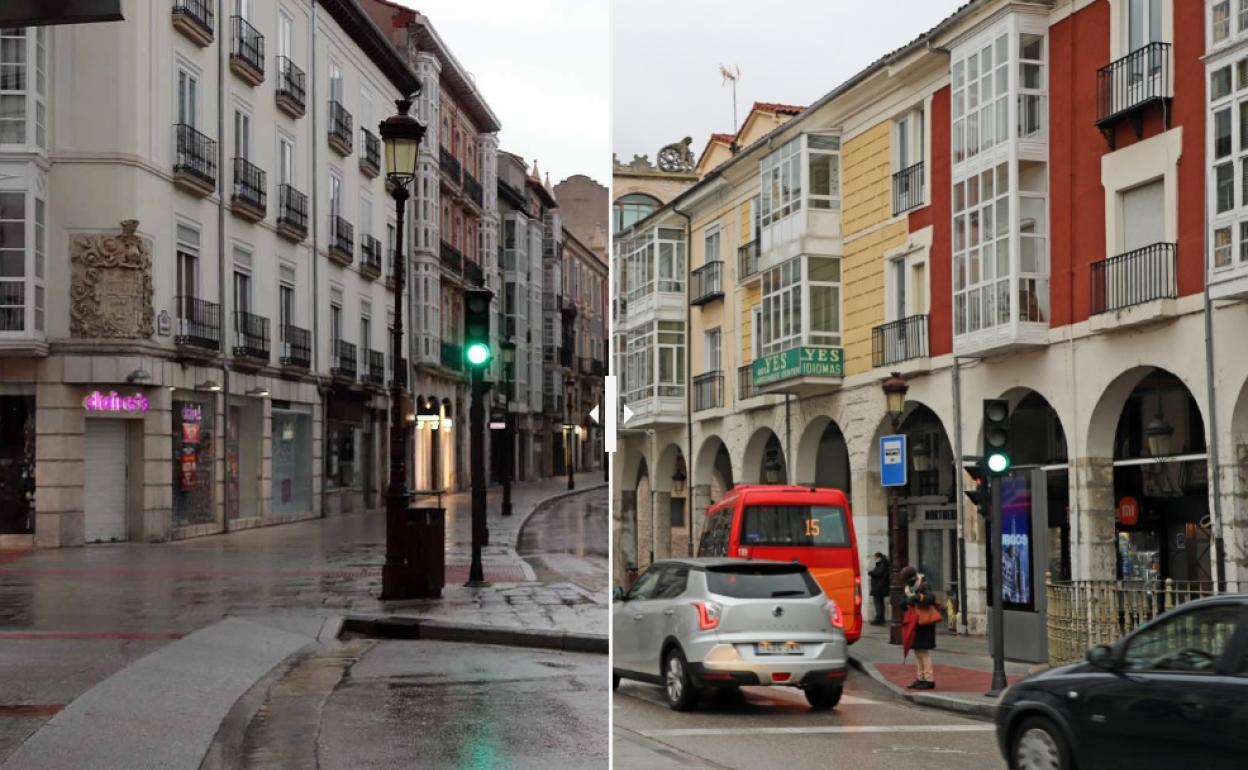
(788, 525)
(757, 581)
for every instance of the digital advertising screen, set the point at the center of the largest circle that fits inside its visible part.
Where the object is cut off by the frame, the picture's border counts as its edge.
(1017, 585)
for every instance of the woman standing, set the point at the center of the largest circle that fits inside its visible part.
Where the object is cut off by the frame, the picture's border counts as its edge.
(921, 600)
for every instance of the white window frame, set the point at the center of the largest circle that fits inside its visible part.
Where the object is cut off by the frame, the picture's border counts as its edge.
(286, 159)
(285, 35)
(712, 350)
(186, 73)
(243, 133)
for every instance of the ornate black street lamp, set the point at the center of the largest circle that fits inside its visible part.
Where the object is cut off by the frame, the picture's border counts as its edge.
(401, 133)
(895, 389)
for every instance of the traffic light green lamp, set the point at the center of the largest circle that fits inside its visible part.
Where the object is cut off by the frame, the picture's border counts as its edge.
(477, 350)
(997, 435)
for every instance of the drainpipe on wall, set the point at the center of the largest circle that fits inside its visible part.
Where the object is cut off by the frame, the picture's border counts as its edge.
(961, 487)
(654, 517)
(316, 218)
(690, 483)
(1211, 442)
(223, 294)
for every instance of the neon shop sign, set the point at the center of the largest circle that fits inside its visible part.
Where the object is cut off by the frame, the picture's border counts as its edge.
(112, 402)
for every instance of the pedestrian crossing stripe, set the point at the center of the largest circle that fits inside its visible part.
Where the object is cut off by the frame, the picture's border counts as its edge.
(819, 730)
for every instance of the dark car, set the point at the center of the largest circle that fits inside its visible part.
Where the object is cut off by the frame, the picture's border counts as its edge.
(1172, 694)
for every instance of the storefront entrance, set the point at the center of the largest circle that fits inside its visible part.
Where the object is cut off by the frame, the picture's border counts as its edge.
(17, 464)
(104, 490)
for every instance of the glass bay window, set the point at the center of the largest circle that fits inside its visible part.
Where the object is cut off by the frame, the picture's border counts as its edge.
(1000, 186)
(801, 305)
(655, 261)
(801, 177)
(654, 361)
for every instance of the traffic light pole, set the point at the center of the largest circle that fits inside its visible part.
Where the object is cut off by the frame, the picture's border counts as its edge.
(998, 603)
(509, 461)
(476, 465)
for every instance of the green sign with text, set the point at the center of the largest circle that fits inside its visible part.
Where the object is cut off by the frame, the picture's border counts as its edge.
(799, 362)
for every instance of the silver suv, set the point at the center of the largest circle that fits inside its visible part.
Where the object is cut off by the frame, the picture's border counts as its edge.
(689, 624)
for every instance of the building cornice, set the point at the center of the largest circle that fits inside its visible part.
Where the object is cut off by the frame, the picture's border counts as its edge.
(364, 33)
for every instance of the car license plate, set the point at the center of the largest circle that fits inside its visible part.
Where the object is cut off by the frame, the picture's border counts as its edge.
(778, 648)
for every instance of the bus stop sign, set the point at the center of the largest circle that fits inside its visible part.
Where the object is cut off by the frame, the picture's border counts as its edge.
(893, 460)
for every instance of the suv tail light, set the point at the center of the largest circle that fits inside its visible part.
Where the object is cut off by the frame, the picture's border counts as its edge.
(708, 615)
(838, 617)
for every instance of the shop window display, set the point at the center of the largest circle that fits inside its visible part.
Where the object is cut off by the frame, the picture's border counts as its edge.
(192, 463)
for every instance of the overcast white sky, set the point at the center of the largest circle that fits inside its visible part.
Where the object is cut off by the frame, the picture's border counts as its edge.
(543, 67)
(667, 54)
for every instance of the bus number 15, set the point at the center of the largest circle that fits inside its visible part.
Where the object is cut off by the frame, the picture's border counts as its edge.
(812, 528)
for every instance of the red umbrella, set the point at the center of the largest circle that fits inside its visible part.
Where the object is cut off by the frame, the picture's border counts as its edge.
(909, 627)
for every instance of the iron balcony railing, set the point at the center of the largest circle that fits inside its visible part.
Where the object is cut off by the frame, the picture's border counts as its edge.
(747, 260)
(473, 273)
(292, 208)
(296, 347)
(198, 12)
(376, 372)
(340, 125)
(292, 83)
(708, 283)
(745, 382)
(908, 188)
(370, 154)
(342, 237)
(453, 355)
(370, 255)
(344, 360)
(451, 258)
(1133, 278)
(708, 390)
(246, 44)
(196, 154)
(899, 341)
(249, 184)
(449, 163)
(472, 188)
(1136, 79)
(251, 335)
(198, 323)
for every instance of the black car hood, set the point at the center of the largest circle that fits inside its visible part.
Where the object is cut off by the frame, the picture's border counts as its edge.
(1058, 672)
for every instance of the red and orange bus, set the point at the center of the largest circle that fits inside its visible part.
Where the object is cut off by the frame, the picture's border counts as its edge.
(786, 523)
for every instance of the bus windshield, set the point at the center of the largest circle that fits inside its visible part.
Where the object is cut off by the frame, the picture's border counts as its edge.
(794, 525)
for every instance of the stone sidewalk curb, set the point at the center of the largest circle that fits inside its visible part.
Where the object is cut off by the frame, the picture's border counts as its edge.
(397, 627)
(548, 501)
(943, 702)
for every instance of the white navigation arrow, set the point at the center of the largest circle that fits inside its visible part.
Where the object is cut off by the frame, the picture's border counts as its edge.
(628, 413)
(593, 413)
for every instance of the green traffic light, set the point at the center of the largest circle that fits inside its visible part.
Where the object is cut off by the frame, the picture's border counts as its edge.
(478, 354)
(998, 462)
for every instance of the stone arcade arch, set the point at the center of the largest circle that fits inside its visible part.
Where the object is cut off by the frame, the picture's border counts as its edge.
(763, 445)
(823, 456)
(1146, 441)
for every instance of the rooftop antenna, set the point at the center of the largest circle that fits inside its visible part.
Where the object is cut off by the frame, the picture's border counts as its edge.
(732, 74)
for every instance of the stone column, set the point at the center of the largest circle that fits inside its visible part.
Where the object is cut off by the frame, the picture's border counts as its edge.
(663, 525)
(645, 524)
(1094, 543)
(1235, 514)
(975, 533)
(700, 497)
(625, 532)
(870, 508)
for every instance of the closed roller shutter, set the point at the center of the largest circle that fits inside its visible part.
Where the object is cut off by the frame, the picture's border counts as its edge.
(105, 488)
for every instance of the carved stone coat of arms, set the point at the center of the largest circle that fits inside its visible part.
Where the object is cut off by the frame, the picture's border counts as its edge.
(111, 284)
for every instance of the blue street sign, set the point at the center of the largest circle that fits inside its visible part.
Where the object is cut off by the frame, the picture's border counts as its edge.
(893, 461)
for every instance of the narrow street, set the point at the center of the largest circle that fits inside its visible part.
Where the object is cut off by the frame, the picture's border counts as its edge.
(774, 726)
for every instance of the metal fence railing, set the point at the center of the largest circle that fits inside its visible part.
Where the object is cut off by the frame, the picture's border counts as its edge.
(1085, 613)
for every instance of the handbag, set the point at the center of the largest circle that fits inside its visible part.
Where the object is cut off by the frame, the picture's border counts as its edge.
(928, 615)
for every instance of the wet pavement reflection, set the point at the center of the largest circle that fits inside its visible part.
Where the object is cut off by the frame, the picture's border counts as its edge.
(567, 540)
